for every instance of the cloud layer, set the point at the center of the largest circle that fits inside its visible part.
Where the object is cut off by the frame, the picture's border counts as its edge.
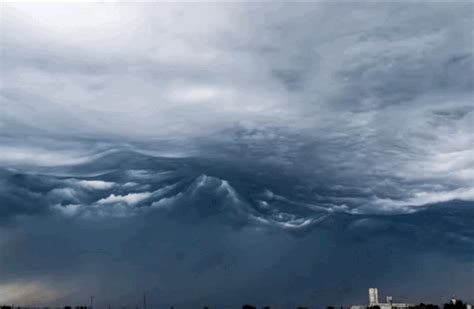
(378, 94)
(264, 142)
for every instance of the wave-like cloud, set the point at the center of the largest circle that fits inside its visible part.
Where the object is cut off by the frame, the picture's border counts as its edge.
(370, 111)
(130, 199)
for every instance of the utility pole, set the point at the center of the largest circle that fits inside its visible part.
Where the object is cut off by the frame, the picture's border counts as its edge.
(144, 300)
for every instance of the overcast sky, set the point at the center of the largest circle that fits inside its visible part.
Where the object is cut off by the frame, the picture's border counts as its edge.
(367, 107)
(354, 88)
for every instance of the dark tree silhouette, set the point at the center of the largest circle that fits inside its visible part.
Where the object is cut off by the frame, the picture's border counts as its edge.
(457, 305)
(423, 306)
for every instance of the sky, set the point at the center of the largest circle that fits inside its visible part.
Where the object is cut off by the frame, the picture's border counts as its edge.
(203, 151)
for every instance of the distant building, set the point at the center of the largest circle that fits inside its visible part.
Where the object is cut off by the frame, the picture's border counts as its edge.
(374, 302)
(373, 296)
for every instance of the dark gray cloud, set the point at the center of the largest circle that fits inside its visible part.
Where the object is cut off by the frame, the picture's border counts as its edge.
(260, 142)
(207, 261)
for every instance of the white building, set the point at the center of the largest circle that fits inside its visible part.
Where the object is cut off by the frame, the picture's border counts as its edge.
(373, 296)
(374, 301)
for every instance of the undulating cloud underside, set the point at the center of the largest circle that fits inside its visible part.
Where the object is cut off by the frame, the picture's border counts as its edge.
(226, 153)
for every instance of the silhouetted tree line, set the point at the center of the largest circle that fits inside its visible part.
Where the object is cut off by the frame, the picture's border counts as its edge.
(253, 307)
(26, 307)
(458, 304)
(423, 306)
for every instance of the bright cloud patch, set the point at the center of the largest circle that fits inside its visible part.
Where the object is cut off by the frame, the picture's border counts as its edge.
(27, 293)
(130, 199)
(96, 184)
(425, 198)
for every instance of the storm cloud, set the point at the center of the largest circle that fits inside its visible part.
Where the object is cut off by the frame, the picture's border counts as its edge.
(367, 91)
(326, 130)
